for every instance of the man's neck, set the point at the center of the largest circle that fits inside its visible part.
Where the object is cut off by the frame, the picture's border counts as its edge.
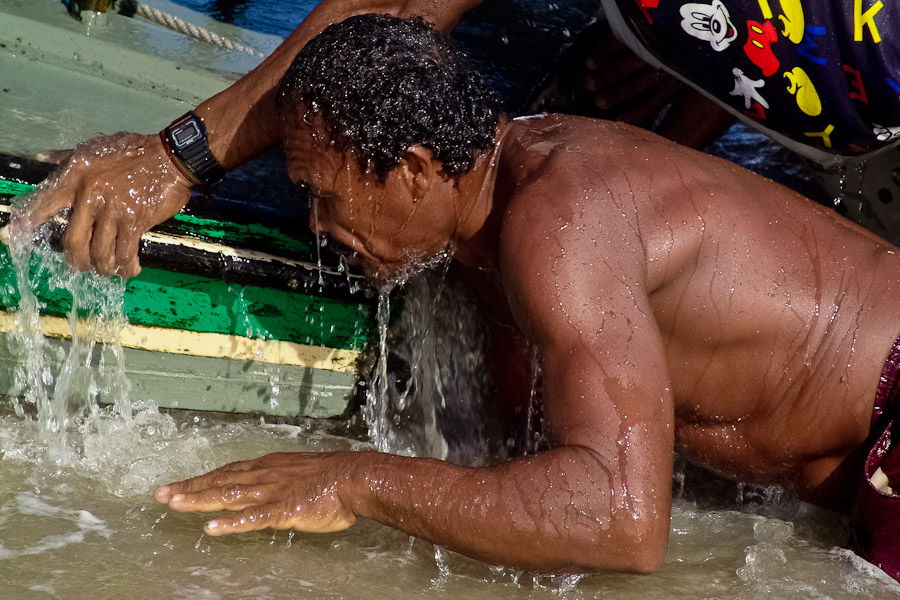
(472, 245)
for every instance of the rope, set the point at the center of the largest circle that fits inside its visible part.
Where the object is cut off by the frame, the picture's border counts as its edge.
(182, 26)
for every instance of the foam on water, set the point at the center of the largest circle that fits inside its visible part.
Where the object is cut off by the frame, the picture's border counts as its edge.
(87, 525)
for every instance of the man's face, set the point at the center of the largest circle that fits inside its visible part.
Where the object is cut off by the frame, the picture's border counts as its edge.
(386, 227)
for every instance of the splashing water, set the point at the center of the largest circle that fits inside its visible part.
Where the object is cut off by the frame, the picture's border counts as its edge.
(321, 240)
(92, 370)
(375, 409)
(838, 200)
(426, 383)
(75, 418)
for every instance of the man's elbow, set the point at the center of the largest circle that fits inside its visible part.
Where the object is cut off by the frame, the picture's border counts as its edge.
(646, 559)
(641, 550)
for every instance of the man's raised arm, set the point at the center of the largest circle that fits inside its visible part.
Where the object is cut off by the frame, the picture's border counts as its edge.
(241, 118)
(121, 186)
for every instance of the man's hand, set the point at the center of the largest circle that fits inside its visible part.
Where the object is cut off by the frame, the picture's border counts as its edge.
(300, 491)
(118, 187)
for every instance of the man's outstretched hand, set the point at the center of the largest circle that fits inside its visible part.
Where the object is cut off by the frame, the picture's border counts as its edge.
(300, 491)
(118, 187)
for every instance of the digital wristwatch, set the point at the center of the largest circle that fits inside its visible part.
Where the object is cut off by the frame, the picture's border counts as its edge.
(187, 144)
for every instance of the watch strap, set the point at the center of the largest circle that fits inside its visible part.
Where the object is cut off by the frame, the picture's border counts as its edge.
(187, 144)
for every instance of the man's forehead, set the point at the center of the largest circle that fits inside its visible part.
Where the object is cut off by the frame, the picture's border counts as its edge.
(308, 130)
(310, 156)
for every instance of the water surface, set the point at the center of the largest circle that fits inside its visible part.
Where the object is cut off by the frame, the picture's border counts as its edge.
(92, 529)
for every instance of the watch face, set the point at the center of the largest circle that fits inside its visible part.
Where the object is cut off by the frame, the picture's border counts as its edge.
(185, 133)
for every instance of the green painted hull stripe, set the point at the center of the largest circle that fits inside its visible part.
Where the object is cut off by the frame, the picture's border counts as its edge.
(251, 235)
(161, 298)
(14, 188)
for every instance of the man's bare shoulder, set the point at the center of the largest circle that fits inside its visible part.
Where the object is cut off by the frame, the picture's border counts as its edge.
(569, 222)
(559, 169)
(573, 157)
(548, 134)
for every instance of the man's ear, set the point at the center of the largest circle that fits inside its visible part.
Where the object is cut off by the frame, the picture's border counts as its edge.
(417, 170)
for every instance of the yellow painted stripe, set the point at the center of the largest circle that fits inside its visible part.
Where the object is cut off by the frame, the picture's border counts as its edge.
(214, 345)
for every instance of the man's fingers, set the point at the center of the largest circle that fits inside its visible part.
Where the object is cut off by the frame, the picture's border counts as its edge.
(646, 106)
(236, 496)
(277, 491)
(128, 245)
(232, 473)
(50, 201)
(77, 239)
(103, 247)
(250, 519)
(188, 486)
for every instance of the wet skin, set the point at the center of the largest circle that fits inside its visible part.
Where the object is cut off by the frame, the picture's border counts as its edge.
(677, 301)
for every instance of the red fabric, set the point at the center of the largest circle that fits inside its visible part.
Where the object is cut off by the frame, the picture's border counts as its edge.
(876, 516)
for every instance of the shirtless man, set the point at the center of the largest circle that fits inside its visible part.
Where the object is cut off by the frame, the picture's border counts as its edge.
(677, 302)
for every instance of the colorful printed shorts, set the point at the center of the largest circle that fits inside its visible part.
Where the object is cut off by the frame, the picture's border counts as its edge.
(821, 76)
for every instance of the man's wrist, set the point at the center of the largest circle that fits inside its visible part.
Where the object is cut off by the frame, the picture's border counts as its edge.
(177, 163)
(187, 147)
(361, 472)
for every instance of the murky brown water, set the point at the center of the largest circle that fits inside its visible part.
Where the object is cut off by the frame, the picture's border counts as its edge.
(92, 529)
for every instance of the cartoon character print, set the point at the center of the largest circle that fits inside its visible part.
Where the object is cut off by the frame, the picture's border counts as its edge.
(782, 54)
(885, 134)
(760, 37)
(800, 85)
(712, 22)
(793, 23)
(748, 88)
(709, 22)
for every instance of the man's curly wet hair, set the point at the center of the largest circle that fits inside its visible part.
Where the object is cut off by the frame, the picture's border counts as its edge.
(382, 84)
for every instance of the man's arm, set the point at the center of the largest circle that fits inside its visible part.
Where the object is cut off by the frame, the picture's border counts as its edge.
(241, 119)
(120, 187)
(556, 511)
(599, 498)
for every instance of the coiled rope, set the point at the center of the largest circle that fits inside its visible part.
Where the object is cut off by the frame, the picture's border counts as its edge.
(132, 7)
